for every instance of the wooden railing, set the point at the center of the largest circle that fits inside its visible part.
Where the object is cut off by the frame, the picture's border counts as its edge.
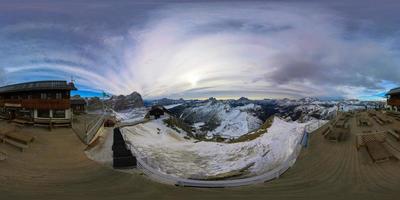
(393, 102)
(37, 103)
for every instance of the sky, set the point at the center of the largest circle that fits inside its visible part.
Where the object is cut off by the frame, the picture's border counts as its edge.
(199, 49)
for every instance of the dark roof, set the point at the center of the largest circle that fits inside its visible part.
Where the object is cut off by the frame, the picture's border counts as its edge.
(160, 107)
(394, 91)
(38, 85)
(78, 102)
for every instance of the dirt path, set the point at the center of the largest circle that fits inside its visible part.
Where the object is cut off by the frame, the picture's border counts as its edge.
(56, 168)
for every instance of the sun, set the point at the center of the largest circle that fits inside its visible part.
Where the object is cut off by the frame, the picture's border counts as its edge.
(193, 79)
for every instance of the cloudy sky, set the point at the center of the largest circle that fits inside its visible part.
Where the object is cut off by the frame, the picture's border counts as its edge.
(226, 49)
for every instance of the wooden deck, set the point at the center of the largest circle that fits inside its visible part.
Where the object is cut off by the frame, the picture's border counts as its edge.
(324, 170)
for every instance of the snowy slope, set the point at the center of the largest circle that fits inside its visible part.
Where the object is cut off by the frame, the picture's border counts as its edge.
(131, 115)
(102, 152)
(172, 105)
(231, 122)
(167, 150)
(236, 122)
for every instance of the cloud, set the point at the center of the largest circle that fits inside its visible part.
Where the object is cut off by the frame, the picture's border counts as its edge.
(196, 50)
(2, 77)
(229, 47)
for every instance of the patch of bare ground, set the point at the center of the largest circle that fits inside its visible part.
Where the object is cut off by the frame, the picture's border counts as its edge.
(254, 135)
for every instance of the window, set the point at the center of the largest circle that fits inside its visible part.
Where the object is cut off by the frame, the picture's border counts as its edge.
(58, 96)
(43, 96)
(58, 113)
(43, 113)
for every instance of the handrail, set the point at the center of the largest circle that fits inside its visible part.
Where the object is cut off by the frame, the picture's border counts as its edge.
(91, 133)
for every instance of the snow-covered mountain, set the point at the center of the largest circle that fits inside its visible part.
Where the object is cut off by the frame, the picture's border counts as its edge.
(218, 118)
(233, 118)
(122, 103)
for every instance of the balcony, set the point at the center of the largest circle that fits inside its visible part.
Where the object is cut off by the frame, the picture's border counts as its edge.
(37, 103)
(393, 102)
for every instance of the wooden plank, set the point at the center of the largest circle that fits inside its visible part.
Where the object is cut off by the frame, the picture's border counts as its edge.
(333, 136)
(394, 134)
(395, 153)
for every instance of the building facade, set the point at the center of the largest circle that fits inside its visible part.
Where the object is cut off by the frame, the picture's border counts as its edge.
(78, 105)
(41, 102)
(393, 99)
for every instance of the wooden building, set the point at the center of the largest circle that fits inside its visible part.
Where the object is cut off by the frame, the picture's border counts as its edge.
(78, 105)
(393, 99)
(157, 111)
(41, 102)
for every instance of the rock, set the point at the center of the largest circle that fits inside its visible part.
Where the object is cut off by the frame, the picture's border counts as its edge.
(94, 103)
(121, 102)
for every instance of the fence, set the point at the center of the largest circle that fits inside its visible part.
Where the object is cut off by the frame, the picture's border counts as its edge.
(156, 175)
(87, 131)
(94, 128)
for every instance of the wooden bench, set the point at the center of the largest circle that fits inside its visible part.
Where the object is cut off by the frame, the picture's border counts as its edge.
(335, 136)
(16, 144)
(393, 148)
(394, 134)
(378, 120)
(19, 137)
(18, 140)
(377, 151)
(386, 120)
(363, 138)
(363, 122)
(340, 123)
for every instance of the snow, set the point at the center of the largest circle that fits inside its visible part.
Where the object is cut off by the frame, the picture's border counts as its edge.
(198, 125)
(347, 108)
(102, 153)
(172, 106)
(169, 152)
(249, 106)
(234, 121)
(131, 115)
